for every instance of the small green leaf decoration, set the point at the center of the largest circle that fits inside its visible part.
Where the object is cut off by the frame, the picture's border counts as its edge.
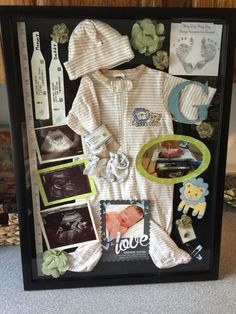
(147, 36)
(161, 60)
(55, 263)
(205, 129)
(60, 33)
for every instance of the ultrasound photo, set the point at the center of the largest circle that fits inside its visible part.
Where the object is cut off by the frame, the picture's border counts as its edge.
(57, 143)
(68, 226)
(65, 182)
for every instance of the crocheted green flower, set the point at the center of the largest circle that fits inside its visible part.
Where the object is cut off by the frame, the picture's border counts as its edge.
(161, 60)
(55, 263)
(60, 33)
(147, 36)
(205, 130)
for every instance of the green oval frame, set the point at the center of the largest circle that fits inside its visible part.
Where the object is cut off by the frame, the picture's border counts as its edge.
(206, 158)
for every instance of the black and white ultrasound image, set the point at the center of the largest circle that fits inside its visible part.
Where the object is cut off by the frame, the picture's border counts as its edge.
(58, 142)
(65, 183)
(68, 227)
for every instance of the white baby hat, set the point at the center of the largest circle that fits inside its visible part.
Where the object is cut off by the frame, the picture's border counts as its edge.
(95, 45)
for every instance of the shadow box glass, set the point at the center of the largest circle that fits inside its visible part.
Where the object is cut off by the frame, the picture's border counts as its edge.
(119, 120)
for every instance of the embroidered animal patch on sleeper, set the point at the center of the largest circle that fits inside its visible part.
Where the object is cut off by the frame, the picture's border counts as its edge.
(144, 117)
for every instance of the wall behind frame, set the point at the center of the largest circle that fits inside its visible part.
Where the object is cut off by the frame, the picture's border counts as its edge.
(231, 155)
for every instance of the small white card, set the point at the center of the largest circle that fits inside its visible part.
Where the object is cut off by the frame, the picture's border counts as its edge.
(195, 49)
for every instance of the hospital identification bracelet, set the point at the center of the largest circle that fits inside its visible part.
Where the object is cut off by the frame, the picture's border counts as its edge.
(100, 136)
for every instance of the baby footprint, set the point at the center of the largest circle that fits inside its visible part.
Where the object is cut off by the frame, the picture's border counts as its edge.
(208, 52)
(183, 51)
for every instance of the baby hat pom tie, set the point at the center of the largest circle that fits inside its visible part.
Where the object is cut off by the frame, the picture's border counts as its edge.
(95, 45)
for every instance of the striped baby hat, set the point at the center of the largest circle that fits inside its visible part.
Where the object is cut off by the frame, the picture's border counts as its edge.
(95, 45)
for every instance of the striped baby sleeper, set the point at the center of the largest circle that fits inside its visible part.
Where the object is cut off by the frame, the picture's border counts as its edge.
(117, 99)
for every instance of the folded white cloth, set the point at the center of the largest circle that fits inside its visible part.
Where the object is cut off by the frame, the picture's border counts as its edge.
(113, 169)
(117, 167)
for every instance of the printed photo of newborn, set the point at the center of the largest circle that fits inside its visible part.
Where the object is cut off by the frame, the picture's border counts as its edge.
(68, 226)
(56, 143)
(64, 183)
(123, 217)
(171, 159)
(121, 221)
(125, 229)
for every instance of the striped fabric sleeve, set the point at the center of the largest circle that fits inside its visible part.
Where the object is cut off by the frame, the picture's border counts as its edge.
(191, 96)
(84, 116)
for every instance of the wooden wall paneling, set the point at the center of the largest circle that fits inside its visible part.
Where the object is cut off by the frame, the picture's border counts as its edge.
(17, 2)
(2, 73)
(203, 3)
(166, 3)
(130, 3)
(214, 3)
(98, 3)
(234, 78)
(2, 70)
(225, 3)
(111, 3)
(177, 3)
(151, 3)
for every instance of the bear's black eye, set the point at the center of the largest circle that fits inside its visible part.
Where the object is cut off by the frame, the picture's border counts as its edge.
(189, 191)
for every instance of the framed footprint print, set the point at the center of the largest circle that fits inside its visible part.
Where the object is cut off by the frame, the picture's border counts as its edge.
(118, 109)
(195, 48)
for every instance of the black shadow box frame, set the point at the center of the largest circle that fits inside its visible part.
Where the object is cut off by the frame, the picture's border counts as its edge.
(137, 272)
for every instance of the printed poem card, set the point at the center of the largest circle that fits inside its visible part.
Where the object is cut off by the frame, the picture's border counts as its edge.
(195, 48)
(125, 230)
